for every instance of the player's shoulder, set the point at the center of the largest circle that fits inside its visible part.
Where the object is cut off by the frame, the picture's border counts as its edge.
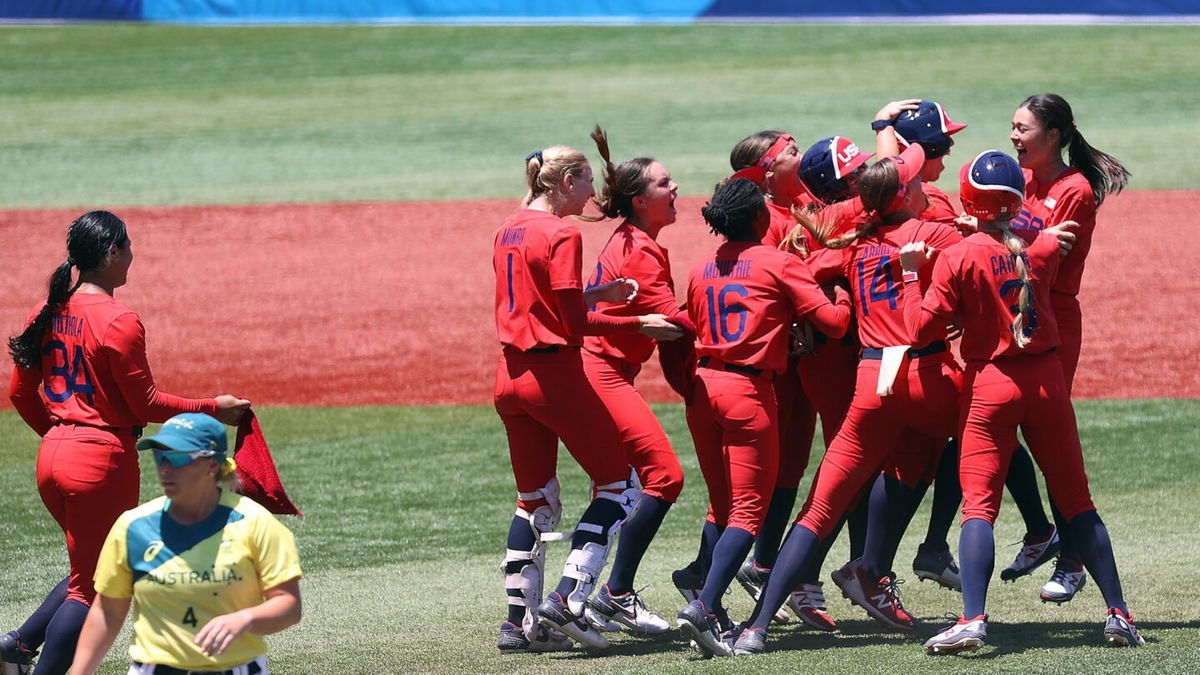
(1072, 183)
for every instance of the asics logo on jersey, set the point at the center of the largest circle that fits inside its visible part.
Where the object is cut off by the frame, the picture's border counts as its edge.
(152, 551)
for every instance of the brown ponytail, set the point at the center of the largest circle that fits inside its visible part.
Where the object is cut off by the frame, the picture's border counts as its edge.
(1103, 172)
(621, 183)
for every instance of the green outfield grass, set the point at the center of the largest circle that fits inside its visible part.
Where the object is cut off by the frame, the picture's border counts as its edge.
(153, 114)
(407, 510)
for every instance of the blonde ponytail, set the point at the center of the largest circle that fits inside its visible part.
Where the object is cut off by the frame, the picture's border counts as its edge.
(544, 170)
(1016, 248)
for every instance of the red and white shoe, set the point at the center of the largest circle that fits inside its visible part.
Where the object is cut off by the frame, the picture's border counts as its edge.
(808, 602)
(966, 635)
(879, 597)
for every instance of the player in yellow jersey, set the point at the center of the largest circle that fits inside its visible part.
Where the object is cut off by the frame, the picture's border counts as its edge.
(208, 571)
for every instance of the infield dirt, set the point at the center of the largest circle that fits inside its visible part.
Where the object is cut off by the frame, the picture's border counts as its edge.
(390, 302)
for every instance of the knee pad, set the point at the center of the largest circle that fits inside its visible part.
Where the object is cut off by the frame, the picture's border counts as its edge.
(543, 518)
(524, 571)
(625, 493)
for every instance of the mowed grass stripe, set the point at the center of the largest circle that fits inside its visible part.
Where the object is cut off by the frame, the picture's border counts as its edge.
(122, 115)
(407, 509)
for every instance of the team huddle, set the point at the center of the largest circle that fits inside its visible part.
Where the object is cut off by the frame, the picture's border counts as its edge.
(921, 334)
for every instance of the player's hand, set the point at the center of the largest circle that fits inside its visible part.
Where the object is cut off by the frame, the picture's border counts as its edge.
(617, 292)
(914, 255)
(892, 110)
(967, 223)
(658, 327)
(1066, 238)
(231, 409)
(221, 631)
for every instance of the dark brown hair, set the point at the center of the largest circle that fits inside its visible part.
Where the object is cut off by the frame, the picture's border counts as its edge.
(1104, 173)
(621, 183)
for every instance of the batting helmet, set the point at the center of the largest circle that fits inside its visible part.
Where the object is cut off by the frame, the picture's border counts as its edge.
(928, 125)
(991, 186)
(826, 164)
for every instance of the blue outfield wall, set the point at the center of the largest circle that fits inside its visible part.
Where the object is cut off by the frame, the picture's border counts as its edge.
(543, 10)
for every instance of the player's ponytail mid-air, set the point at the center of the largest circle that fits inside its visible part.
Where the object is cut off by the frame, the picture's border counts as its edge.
(639, 193)
(1013, 378)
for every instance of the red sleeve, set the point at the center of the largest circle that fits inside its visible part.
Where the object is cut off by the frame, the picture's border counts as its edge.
(125, 344)
(827, 264)
(566, 259)
(925, 318)
(810, 301)
(1077, 203)
(653, 274)
(23, 392)
(1043, 255)
(579, 321)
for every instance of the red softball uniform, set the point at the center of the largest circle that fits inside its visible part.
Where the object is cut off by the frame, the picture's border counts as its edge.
(743, 299)
(1067, 197)
(1004, 387)
(612, 362)
(541, 392)
(904, 432)
(96, 392)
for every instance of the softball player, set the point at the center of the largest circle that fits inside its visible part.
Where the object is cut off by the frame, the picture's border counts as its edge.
(998, 289)
(542, 395)
(212, 571)
(901, 415)
(82, 383)
(742, 298)
(1056, 192)
(640, 192)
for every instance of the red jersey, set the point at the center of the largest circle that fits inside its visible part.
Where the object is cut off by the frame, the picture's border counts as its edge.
(94, 371)
(873, 269)
(535, 254)
(938, 205)
(743, 298)
(632, 254)
(844, 216)
(1067, 197)
(976, 283)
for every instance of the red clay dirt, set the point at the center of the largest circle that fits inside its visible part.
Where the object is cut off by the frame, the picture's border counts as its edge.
(390, 303)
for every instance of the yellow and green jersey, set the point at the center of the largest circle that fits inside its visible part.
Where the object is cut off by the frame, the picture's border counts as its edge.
(181, 576)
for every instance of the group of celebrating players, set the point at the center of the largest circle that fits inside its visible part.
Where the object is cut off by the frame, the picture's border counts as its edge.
(921, 334)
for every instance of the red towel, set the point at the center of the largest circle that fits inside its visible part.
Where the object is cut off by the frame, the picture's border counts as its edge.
(260, 481)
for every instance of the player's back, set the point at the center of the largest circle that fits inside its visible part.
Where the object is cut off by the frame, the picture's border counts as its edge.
(980, 275)
(742, 297)
(82, 345)
(876, 280)
(535, 254)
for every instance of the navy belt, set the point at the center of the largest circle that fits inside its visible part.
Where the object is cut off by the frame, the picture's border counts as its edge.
(875, 353)
(705, 362)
